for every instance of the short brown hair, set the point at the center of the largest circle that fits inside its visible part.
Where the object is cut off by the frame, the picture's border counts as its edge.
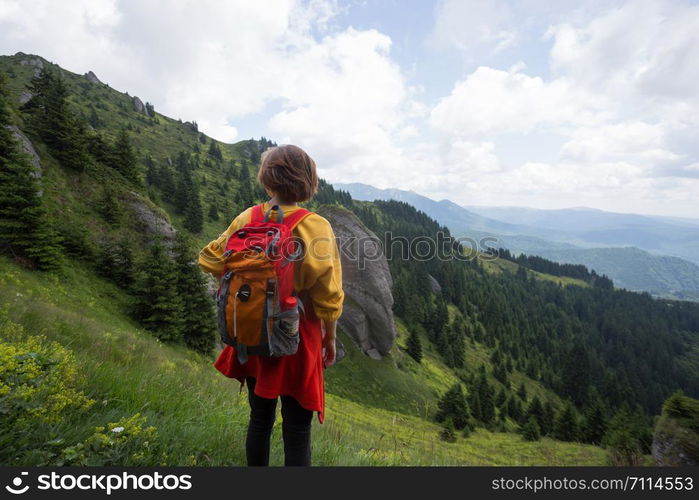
(288, 172)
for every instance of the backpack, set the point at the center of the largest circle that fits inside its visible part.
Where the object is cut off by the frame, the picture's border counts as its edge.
(258, 310)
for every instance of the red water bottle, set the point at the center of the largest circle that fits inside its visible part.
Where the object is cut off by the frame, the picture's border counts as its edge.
(290, 320)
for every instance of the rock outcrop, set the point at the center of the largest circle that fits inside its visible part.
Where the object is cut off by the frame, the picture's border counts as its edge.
(676, 437)
(434, 284)
(37, 62)
(33, 61)
(367, 313)
(138, 105)
(28, 149)
(25, 96)
(152, 222)
(92, 78)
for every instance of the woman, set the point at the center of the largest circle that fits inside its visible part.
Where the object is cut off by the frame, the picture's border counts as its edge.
(289, 176)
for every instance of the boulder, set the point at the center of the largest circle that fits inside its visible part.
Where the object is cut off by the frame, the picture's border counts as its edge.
(92, 78)
(138, 105)
(150, 220)
(367, 312)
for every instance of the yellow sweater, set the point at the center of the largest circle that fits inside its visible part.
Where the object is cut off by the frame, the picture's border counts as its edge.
(320, 273)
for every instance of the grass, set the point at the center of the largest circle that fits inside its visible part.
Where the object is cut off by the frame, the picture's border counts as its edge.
(201, 417)
(503, 265)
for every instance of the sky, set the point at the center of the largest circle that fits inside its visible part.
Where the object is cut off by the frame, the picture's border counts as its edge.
(527, 103)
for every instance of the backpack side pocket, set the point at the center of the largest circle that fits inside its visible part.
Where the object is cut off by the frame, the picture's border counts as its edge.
(285, 336)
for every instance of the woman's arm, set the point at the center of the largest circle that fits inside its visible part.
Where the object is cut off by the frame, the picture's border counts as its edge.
(211, 258)
(329, 337)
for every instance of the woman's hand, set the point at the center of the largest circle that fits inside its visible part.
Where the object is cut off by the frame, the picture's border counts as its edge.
(329, 348)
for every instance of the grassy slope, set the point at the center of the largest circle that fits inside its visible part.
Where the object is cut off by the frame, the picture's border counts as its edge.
(75, 195)
(201, 417)
(502, 265)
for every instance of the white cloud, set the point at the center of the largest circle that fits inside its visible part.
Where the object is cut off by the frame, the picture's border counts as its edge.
(642, 51)
(631, 140)
(338, 94)
(621, 97)
(473, 24)
(349, 104)
(491, 100)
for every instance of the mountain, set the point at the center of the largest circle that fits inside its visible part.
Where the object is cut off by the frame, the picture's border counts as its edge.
(524, 230)
(636, 269)
(117, 329)
(594, 228)
(457, 218)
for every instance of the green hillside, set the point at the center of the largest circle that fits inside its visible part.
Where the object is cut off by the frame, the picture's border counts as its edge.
(636, 269)
(198, 416)
(528, 350)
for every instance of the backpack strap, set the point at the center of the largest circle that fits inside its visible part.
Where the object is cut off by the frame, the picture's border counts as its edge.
(294, 219)
(258, 214)
(291, 220)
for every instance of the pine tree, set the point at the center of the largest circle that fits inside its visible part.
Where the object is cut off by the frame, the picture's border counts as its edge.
(123, 157)
(514, 409)
(166, 182)
(110, 207)
(194, 214)
(624, 439)
(501, 398)
(522, 392)
(198, 308)
(213, 212)
(485, 394)
(215, 151)
(474, 402)
(530, 430)
(152, 174)
(414, 346)
(576, 374)
(453, 406)
(25, 230)
(158, 303)
(186, 196)
(117, 261)
(548, 419)
(595, 421)
(52, 119)
(566, 425)
(536, 410)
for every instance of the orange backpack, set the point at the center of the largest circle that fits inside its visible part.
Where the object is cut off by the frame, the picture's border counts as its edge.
(258, 310)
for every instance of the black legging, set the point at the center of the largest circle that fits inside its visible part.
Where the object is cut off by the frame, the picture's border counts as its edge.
(296, 429)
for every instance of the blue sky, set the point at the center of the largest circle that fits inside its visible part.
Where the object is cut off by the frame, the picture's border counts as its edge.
(541, 104)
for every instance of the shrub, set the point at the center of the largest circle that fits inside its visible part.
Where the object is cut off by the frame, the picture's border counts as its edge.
(448, 433)
(39, 383)
(38, 380)
(126, 442)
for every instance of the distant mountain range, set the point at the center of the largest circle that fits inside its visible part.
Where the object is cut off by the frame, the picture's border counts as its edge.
(639, 252)
(596, 228)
